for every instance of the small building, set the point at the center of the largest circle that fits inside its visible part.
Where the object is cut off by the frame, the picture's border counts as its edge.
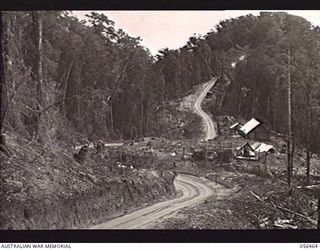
(253, 129)
(249, 126)
(262, 147)
(234, 128)
(246, 152)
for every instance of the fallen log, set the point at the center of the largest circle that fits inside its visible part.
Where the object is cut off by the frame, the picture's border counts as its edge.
(315, 189)
(314, 222)
(285, 224)
(295, 213)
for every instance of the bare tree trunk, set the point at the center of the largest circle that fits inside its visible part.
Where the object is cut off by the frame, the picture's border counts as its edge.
(120, 76)
(37, 27)
(141, 118)
(289, 143)
(289, 161)
(111, 118)
(4, 69)
(308, 158)
(318, 224)
(253, 104)
(66, 86)
(163, 114)
(78, 106)
(147, 124)
(308, 132)
(2, 75)
(147, 118)
(292, 153)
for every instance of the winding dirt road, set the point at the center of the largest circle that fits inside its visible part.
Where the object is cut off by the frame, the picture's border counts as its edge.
(193, 190)
(210, 130)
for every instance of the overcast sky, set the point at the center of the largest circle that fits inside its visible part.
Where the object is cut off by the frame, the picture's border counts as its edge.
(172, 29)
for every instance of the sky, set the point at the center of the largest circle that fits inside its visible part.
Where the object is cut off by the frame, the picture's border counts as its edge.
(172, 29)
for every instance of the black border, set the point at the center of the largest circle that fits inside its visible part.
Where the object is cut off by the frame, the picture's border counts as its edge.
(157, 236)
(159, 5)
(160, 236)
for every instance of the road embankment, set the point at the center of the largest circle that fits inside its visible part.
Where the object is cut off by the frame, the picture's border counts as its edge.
(192, 190)
(46, 194)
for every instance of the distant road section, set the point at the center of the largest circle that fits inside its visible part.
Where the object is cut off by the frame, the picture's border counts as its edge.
(210, 130)
(193, 190)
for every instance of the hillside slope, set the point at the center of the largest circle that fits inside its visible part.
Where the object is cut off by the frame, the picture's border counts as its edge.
(50, 190)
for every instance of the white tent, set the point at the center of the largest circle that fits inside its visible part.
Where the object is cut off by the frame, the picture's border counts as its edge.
(261, 147)
(249, 126)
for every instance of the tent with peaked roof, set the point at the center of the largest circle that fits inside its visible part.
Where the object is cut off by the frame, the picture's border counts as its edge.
(246, 152)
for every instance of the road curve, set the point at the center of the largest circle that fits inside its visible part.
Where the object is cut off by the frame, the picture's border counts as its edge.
(210, 130)
(193, 189)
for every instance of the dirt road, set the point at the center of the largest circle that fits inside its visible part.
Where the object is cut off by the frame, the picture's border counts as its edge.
(210, 130)
(192, 190)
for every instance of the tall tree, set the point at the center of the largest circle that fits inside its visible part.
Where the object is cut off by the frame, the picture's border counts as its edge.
(2, 75)
(37, 38)
(290, 146)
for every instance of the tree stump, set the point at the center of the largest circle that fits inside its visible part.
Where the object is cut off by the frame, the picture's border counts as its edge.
(81, 155)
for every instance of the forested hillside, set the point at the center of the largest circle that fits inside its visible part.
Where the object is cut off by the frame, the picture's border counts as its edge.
(95, 79)
(64, 82)
(255, 57)
(100, 82)
(74, 93)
